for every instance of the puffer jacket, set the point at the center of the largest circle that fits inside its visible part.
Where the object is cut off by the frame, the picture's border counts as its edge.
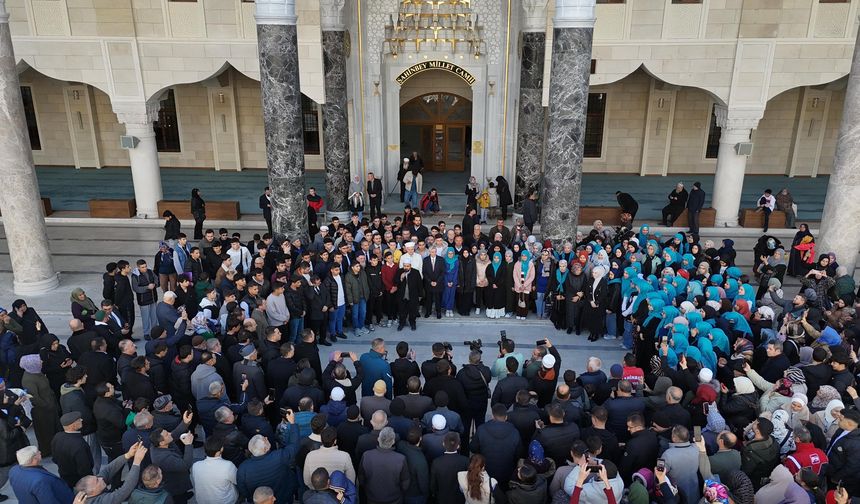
(356, 287)
(335, 412)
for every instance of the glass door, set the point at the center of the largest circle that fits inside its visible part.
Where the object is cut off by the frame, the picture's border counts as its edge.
(456, 148)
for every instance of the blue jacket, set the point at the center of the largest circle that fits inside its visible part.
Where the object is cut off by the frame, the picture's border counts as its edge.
(335, 411)
(35, 485)
(274, 469)
(375, 368)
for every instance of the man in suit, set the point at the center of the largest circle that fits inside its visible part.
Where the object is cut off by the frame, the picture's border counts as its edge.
(316, 311)
(266, 206)
(374, 193)
(434, 276)
(100, 366)
(443, 473)
(408, 282)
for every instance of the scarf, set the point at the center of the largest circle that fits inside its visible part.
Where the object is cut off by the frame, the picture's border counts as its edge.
(525, 261)
(560, 277)
(451, 262)
(87, 304)
(496, 264)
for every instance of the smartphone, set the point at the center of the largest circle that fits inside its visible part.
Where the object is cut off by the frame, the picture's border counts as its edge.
(139, 439)
(661, 465)
(272, 393)
(697, 433)
(665, 339)
(244, 377)
(344, 355)
(593, 465)
(504, 334)
(540, 342)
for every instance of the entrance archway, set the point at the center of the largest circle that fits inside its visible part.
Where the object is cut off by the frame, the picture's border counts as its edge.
(439, 127)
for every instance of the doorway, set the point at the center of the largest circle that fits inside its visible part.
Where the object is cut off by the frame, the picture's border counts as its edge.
(439, 127)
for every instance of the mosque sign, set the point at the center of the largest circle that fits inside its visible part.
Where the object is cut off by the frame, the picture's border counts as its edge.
(435, 65)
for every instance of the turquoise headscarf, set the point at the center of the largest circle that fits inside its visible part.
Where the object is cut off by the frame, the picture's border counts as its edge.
(674, 257)
(712, 293)
(717, 279)
(656, 311)
(670, 312)
(680, 284)
(694, 318)
(709, 358)
(694, 353)
(749, 295)
(451, 262)
(645, 291)
(644, 234)
(560, 278)
(655, 282)
(680, 342)
(732, 289)
(669, 290)
(494, 264)
(734, 272)
(719, 340)
(525, 261)
(627, 283)
(688, 262)
(656, 246)
(694, 288)
(741, 324)
(671, 358)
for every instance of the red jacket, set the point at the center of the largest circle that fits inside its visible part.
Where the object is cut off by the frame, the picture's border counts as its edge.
(806, 455)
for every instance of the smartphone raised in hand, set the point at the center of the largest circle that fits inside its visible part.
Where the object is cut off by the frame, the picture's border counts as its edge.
(697, 433)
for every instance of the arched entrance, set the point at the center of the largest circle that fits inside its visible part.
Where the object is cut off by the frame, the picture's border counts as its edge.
(439, 127)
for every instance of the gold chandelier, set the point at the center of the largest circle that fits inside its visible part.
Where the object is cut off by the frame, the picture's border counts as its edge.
(436, 24)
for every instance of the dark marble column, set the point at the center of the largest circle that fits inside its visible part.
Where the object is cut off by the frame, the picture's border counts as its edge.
(568, 100)
(335, 123)
(530, 123)
(282, 117)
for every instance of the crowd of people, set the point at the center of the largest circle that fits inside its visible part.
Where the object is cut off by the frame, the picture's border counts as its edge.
(727, 393)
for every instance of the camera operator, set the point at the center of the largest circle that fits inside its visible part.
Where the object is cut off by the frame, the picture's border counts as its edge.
(475, 378)
(506, 349)
(441, 351)
(544, 381)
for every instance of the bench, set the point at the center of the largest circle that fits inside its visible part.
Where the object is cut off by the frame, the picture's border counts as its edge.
(113, 208)
(611, 216)
(707, 218)
(218, 210)
(47, 209)
(752, 218)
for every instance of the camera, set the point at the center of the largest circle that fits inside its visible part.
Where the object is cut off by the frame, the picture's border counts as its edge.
(474, 344)
(503, 337)
(447, 346)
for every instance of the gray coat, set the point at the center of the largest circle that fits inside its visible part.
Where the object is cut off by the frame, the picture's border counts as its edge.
(123, 492)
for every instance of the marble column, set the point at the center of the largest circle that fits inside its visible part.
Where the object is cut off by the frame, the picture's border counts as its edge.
(736, 127)
(335, 122)
(282, 116)
(838, 231)
(145, 170)
(20, 201)
(568, 100)
(530, 122)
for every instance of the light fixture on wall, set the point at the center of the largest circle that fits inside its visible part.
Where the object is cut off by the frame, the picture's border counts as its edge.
(492, 85)
(76, 95)
(446, 21)
(220, 97)
(375, 88)
(815, 102)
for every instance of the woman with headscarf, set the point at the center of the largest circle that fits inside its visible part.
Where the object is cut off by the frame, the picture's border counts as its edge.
(544, 269)
(557, 293)
(614, 317)
(802, 252)
(782, 434)
(449, 289)
(798, 413)
(482, 285)
(596, 299)
(651, 263)
(828, 418)
(46, 418)
(83, 308)
(504, 192)
(466, 280)
(471, 191)
(355, 199)
(56, 360)
(198, 211)
(510, 295)
(495, 293)
(524, 276)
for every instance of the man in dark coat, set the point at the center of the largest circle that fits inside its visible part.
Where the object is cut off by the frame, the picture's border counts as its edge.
(79, 341)
(123, 293)
(70, 452)
(374, 194)
(383, 472)
(348, 433)
(557, 436)
(524, 416)
(695, 203)
(443, 472)
(677, 203)
(266, 207)
(434, 280)
(628, 204)
(844, 452)
(175, 465)
(408, 282)
(110, 420)
(499, 442)
(445, 381)
(621, 407)
(137, 382)
(99, 365)
(507, 388)
(403, 368)
(641, 449)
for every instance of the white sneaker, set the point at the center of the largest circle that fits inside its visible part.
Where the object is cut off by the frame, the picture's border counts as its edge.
(478, 311)
(507, 315)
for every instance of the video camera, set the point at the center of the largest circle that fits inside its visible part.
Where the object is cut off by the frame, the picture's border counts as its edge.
(503, 338)
(474, 344)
